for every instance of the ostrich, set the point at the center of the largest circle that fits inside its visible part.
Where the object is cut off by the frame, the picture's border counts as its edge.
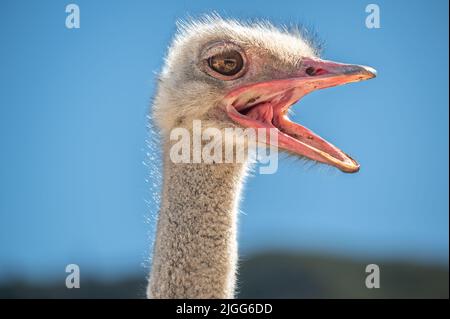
(228, 74)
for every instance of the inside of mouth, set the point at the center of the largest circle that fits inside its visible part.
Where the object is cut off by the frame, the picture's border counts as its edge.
(270, 111)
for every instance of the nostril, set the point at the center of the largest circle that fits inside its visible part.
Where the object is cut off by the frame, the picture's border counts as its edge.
(320, 72)
(310, 71)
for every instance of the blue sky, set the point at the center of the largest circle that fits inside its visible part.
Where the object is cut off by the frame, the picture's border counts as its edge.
(73, 107)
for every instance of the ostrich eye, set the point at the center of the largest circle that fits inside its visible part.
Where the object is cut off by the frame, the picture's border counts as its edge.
(227, 63)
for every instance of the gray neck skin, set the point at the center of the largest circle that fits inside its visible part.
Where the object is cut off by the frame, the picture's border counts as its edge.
(195, 251)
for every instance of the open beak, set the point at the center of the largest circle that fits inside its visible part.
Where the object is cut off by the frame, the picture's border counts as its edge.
(265, 105)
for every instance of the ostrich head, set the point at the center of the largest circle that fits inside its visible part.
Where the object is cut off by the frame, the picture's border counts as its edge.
(229, 74)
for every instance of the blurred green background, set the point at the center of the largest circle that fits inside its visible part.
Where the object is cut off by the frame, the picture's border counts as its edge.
(273, 275)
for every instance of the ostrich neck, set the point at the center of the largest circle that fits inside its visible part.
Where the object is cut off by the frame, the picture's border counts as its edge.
(195, 252)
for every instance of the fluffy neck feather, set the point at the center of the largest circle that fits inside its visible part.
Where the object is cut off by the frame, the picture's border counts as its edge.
(195, 253)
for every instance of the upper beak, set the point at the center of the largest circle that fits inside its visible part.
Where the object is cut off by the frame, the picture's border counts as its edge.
(323, 74)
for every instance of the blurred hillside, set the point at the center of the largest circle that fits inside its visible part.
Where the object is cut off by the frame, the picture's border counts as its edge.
(296, 276)
(275, 275)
